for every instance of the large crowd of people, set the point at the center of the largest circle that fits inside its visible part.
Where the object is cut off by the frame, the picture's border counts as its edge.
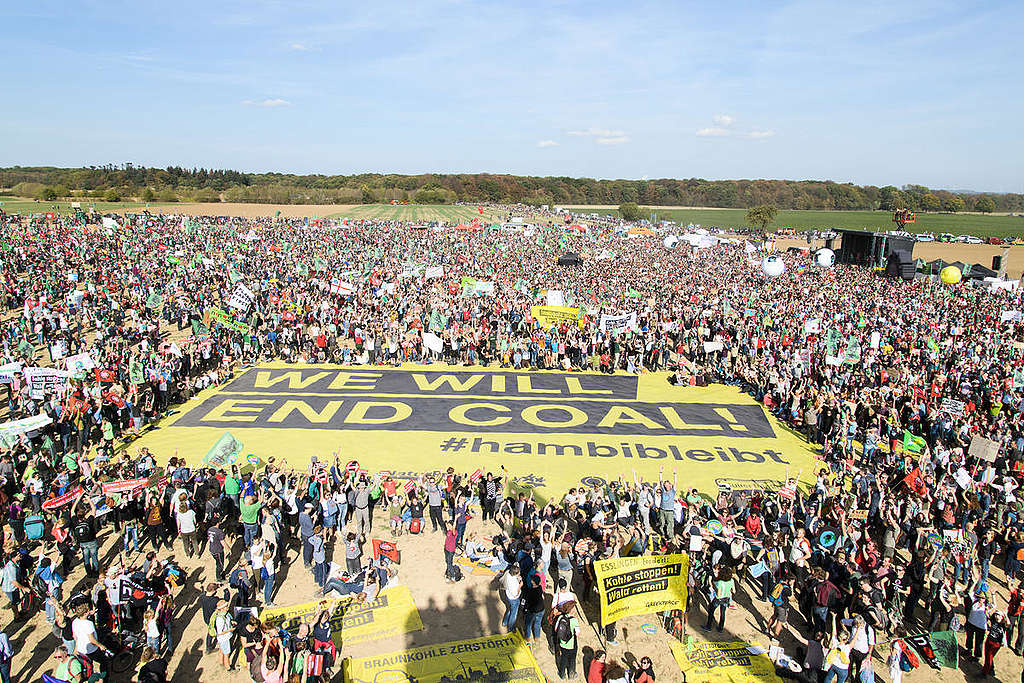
(910, 390)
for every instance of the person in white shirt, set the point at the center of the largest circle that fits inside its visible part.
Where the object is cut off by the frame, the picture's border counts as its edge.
(863, 643)
(512, 585)
(84, 632)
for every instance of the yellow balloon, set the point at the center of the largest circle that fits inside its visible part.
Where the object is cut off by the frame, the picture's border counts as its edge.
(950, 275)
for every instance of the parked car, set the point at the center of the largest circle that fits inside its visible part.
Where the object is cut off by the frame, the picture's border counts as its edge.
(947, 237)
(926, 237)
(971, 239)
(996, 240)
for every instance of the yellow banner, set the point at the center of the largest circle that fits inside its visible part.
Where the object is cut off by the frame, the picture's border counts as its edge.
(727, 662)
(554, 315)
(392, 613)
(496, 658)
(641, 585)
(550, 430)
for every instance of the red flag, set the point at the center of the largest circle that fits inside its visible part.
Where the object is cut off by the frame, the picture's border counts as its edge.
(480, 209)
(288, 315)
(476, 476)
(410, 486)
(50, 215)
(915, 482)
(114, 398)
(104, 375)
(385, 548)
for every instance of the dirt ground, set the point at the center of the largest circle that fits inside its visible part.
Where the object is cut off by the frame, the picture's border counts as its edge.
(468, 609)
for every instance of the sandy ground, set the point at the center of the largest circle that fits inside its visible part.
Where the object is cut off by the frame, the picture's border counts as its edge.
(468, 609)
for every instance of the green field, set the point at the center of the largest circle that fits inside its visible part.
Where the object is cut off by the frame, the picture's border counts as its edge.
(27, 206)
(957, 224)
(415, 212)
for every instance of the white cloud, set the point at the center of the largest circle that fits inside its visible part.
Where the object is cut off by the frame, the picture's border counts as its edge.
(594, 132)
(269, 102)
(613, 140)
(758, 134)
(300, 47)
(723, 120)
(713, 133)
(547, 143)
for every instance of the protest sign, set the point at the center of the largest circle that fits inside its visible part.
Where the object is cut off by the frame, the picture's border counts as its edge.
(61, 501)
(8, 371)
(549, 316)
(242, 298)
(43, 381)
(391, 613)
(985, 449)
(122, 485)
(723, 662)
(641, 585)
(79, 364)
(10, 432)
(953, 406)
(617, 322)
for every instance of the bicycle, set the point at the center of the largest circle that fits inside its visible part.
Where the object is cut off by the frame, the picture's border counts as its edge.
(131, 646)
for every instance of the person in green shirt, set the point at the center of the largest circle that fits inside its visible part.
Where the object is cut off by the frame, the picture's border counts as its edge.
(250, 510)
(231, 486)
(566, 629)
(724, 586)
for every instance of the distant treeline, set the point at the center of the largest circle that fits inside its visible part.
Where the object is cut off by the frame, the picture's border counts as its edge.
(199, 184)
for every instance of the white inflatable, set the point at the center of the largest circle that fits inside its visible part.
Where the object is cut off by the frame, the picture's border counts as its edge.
(824, 258)
(773, 266)
(671, 241)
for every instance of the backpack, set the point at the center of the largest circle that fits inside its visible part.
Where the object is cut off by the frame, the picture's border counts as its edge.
(238, 577)
(776, 595)
(456, 573)
(85, 663)
(35, 527)
(563, 628)
(211, 628)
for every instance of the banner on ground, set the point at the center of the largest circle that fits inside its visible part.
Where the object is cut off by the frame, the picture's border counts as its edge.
(43, 381)
(494, 658)
(551, 431)
(629, 586)
(618, 322)
(242, 298)
(724, 662)
(549, 316)
(220, 454)
(392, 613)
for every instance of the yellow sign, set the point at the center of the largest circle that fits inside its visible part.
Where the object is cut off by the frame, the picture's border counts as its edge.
(496, 658)
(728, 662)
(641, 585)
(555, 315)
(392, 613)
(551, 430)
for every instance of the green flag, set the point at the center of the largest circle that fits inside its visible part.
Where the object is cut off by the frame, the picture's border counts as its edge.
(930, 343)
(154, 301)
(913, 444)
(234, 275)
(25, 347)
(224, 451)
(947, 653)
(135, 374)
(173, 259)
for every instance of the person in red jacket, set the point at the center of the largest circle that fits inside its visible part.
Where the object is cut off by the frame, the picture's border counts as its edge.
(595, 673)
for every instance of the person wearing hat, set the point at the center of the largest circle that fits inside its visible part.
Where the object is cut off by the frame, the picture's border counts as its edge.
(223, 628)
(306, 531)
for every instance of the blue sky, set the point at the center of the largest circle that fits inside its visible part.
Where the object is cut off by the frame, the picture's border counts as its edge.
(868, 92)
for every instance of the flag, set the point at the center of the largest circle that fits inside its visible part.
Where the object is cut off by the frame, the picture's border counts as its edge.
(385, 548)
(223, 451)
(930, 343)
(480, 209)
(104, 375)
(154, 301)
(341, 287)
(915, 482)
(913, 444)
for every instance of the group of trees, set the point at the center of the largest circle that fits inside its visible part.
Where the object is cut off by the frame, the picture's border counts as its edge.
(200, 184)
